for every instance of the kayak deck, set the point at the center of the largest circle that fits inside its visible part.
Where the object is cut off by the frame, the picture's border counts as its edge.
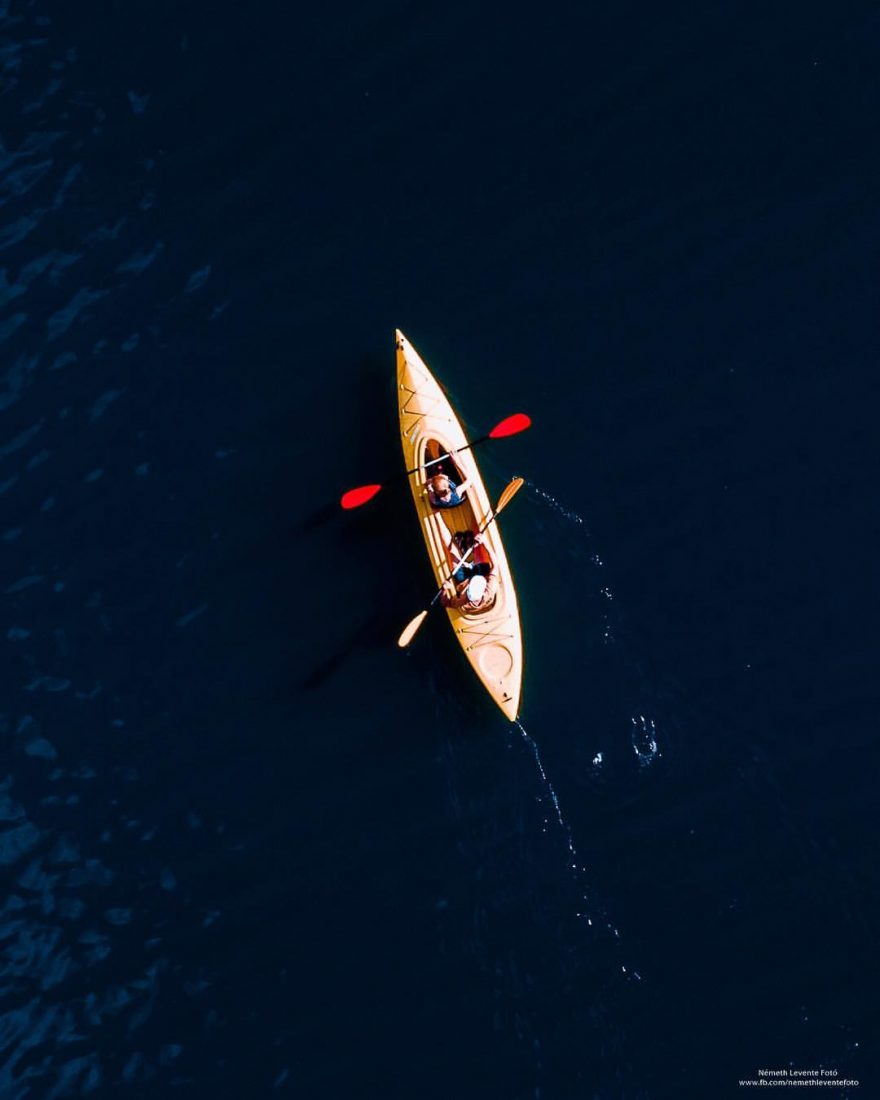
(491, 639)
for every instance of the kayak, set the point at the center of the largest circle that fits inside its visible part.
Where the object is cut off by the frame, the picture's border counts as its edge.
(491, 639)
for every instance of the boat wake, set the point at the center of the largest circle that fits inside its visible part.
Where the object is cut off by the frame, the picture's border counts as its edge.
(556, 505)
(576, 526)
(643, 735)
(577, 868)
(563, 824)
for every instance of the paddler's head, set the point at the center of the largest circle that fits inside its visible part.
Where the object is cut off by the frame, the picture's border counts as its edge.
(476, 589)
(441, 485)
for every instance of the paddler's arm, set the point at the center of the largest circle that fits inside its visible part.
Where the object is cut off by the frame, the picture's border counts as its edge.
(449, 597)
(457, 554)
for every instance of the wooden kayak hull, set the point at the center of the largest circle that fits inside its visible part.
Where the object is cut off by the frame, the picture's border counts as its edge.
(491, 640)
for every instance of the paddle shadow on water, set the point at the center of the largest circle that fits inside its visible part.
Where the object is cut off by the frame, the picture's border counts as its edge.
(378, 631)
(320, 517)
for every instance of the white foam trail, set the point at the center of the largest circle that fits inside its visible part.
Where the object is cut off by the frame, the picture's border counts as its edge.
(533, 746)
(577, 870)
(563, 824)
(556, 505)
(569, 516)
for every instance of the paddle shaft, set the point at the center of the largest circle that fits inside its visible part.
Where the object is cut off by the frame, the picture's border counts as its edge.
(461, 562)
(463, 559)
(413, 626)
(457, 451)
(510, 425)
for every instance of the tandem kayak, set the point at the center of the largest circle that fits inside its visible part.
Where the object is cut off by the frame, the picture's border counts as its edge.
(492, 639)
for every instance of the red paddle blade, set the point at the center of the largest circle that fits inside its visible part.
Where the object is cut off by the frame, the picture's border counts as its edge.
(511, 425)
(354, 498)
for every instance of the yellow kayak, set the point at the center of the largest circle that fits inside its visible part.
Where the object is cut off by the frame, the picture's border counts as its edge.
(429, 428)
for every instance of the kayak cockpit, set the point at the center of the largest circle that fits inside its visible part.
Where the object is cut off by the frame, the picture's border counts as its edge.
(439, 461)
(457, 525)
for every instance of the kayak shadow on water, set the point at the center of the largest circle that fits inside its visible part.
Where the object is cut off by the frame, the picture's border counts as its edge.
(372, 451)
(382, 531)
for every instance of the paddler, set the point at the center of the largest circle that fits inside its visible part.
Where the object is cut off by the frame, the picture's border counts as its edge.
(444, 493)
(473, 596)
(460, 547)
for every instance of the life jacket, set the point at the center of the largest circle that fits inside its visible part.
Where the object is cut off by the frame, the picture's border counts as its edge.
(485, 604)
(464, 540)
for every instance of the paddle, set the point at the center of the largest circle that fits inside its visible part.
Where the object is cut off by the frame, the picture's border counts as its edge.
(511, 425)
(413, 626)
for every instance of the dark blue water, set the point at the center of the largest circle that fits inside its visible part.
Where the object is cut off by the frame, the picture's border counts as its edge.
(249, 847)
